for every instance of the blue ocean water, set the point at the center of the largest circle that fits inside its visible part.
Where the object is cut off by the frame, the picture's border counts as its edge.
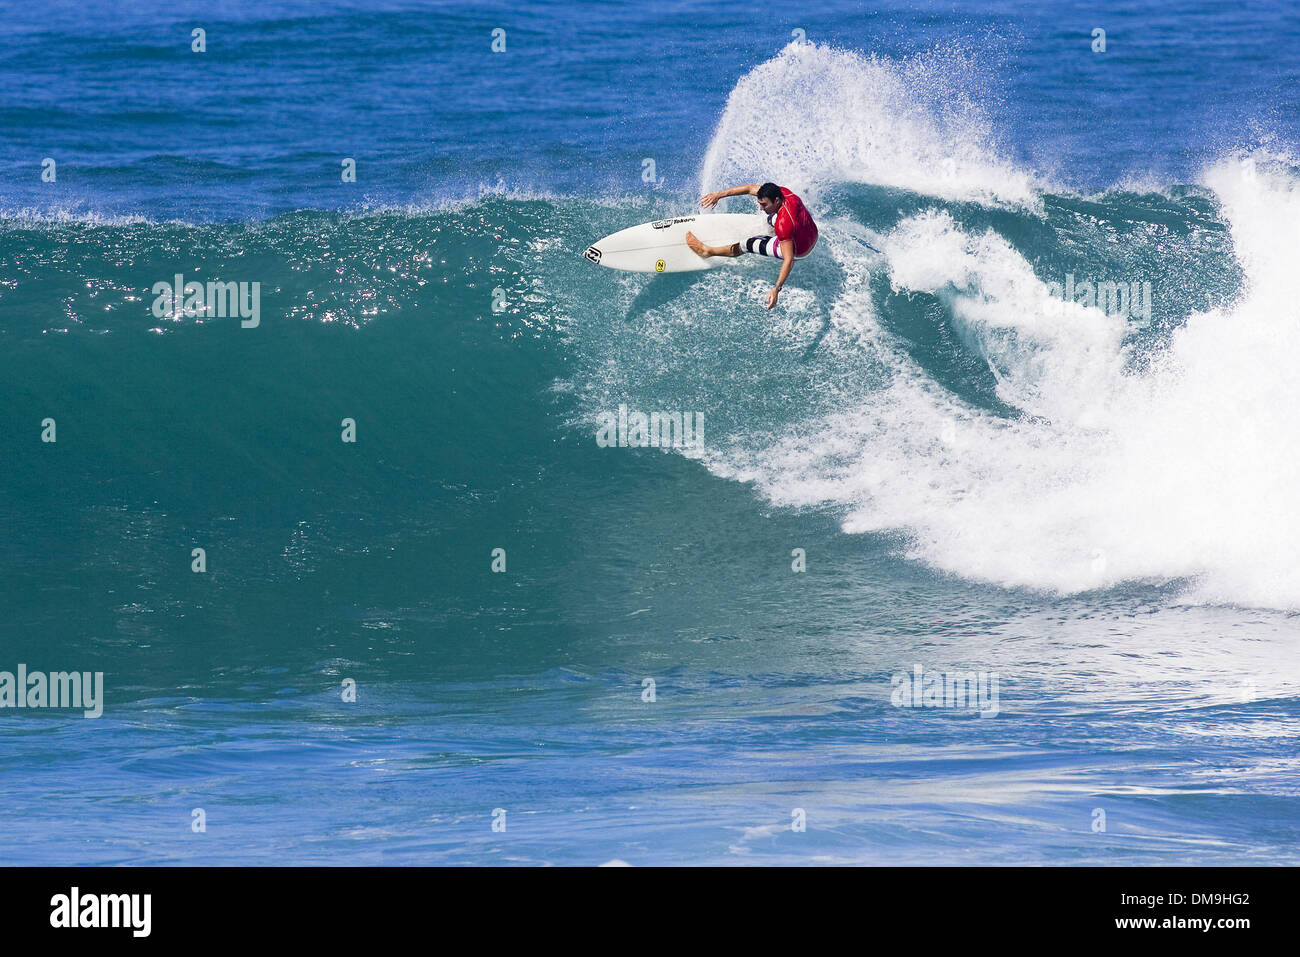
(1095, 514)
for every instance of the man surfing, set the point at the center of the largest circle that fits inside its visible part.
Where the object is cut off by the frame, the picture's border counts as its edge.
(796, 233)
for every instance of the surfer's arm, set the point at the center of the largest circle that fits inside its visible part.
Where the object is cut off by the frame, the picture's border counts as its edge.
(787, 263)
(710, 200)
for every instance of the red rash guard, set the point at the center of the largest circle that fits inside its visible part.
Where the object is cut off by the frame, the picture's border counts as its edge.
(793, 221)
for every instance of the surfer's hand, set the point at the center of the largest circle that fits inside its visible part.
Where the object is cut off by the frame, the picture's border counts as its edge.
(771, 296)
(709, 200)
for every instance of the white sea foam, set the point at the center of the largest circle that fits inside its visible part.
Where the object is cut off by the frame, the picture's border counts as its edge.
(1188, 470)
(816, 115)
(62, 216)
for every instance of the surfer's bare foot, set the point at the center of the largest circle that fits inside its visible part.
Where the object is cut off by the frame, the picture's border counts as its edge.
(701, 250)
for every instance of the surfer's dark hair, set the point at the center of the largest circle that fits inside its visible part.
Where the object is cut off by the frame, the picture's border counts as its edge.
(769, 191)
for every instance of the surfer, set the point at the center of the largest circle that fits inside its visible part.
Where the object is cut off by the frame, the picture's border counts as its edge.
(796, 233)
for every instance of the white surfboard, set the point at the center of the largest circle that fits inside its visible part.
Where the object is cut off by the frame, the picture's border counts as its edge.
(661, 246)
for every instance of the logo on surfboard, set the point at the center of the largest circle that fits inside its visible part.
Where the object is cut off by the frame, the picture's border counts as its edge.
(593, 254)
(660, 265)
(665, 223)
